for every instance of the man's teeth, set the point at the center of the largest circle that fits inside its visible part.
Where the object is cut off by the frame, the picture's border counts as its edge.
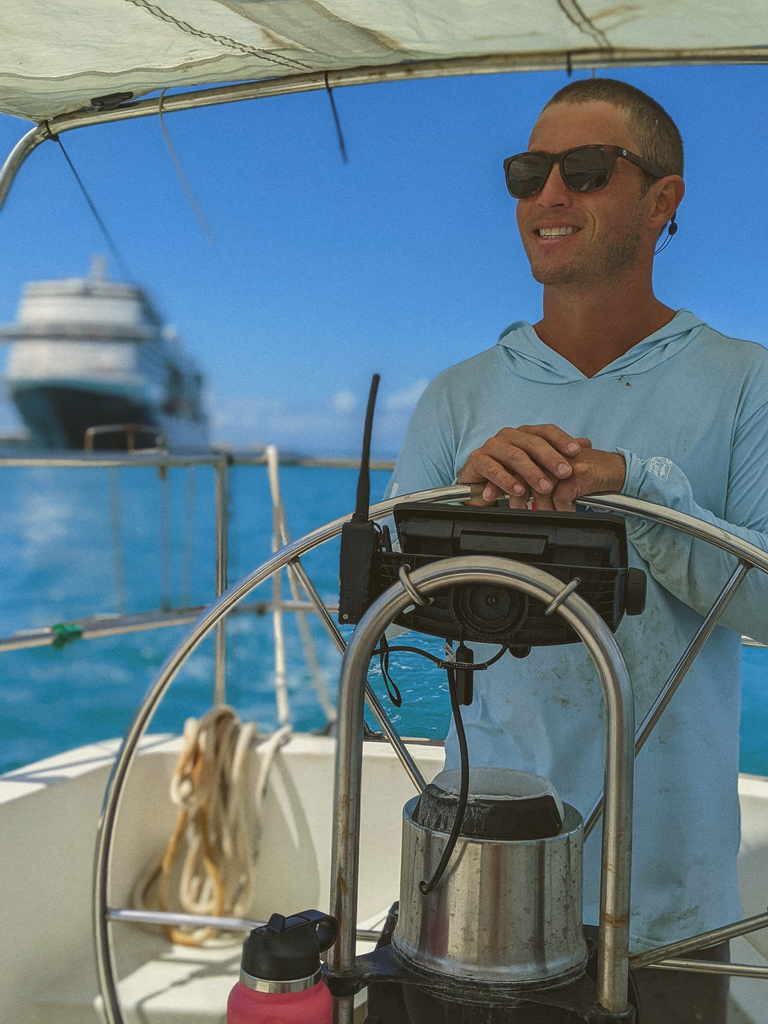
(555, 232)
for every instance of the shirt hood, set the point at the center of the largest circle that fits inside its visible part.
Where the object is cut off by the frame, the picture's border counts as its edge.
(528, 356)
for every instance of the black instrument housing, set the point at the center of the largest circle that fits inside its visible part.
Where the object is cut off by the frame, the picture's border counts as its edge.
(592, 546)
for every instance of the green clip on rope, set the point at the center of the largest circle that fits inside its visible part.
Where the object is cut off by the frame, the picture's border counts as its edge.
(66, 633)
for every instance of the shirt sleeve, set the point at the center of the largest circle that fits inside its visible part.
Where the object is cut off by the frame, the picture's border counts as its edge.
(691, 569)
(427, 457)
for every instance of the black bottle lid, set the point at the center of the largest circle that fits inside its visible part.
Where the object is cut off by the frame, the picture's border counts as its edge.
(287, 949)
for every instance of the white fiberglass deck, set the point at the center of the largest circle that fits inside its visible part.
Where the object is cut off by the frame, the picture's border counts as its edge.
(48, 816)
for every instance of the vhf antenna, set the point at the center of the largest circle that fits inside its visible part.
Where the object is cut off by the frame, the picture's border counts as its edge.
(359, 542)
(364, 479)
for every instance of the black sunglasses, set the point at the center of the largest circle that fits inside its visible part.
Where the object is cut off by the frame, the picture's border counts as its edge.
(583, 169)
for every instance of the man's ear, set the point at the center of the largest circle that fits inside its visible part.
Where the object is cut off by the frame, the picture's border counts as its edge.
(669, 193)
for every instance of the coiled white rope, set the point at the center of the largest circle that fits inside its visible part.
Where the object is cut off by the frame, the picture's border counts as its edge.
(219, 785)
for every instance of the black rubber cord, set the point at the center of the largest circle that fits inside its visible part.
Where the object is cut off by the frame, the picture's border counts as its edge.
(439, 661)
(392, 690)
(427, 887)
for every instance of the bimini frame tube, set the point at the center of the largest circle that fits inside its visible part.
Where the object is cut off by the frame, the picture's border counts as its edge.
(613, 953)
(26, 144)
(483, 64)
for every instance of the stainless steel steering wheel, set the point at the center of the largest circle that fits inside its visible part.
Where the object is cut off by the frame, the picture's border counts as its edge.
(748, 557)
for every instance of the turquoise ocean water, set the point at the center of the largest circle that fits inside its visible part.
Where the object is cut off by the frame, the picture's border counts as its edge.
(60, 560)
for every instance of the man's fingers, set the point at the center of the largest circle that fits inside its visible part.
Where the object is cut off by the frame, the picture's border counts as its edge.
(524, 450)
(500, 467)
(519, 461)
(543, 502)
(530, 459)
(508, 469)
(562, 501)
(594, 472)
(518, 502)
(556, 437)
(484, 493)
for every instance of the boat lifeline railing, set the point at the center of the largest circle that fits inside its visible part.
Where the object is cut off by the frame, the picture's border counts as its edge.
(101, 625)
(93, 627)
(162, 461)
(61, 634)
(130, 430)
(70, 459)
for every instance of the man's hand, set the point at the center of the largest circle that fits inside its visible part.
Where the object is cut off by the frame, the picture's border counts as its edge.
(543, 462)
(593, 472)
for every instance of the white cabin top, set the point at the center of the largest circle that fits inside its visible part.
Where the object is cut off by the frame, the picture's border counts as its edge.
(85, 307)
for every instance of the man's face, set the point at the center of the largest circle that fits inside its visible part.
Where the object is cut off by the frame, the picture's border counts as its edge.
(601, 231)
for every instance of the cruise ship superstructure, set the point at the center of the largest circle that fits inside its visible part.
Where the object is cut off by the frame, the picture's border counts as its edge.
(90, 352)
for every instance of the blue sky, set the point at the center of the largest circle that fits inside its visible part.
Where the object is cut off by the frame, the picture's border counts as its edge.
(401, 262)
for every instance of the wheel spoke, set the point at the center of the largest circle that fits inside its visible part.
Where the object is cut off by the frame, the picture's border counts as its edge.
(679, 673)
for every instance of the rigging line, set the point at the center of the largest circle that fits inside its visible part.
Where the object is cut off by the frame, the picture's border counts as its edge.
(337, 122)
(577, 17)
(158, 12)
(103, 227)
(183, 180)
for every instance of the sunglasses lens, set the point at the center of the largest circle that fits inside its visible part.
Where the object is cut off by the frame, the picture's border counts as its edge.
(526, 174)
(588, 170)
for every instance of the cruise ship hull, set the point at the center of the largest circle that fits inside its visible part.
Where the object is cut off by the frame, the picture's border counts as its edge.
(93, 353)
(58, 417)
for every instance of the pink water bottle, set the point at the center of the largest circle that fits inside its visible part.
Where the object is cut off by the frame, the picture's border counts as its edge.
(280, 981)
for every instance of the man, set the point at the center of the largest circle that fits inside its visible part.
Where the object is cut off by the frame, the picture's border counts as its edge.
(629, 397)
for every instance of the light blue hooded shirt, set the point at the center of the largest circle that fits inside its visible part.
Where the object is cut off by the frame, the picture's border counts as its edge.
(688, 409)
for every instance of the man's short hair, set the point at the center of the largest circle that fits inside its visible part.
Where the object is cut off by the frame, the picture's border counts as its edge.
(657, 135)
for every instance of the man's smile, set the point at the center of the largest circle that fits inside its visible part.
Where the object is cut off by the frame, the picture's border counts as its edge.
(555, 232)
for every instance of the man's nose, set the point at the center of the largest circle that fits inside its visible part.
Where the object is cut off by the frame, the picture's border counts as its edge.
(554, 192)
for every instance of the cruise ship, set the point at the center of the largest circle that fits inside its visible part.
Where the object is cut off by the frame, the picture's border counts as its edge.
(91, 361)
